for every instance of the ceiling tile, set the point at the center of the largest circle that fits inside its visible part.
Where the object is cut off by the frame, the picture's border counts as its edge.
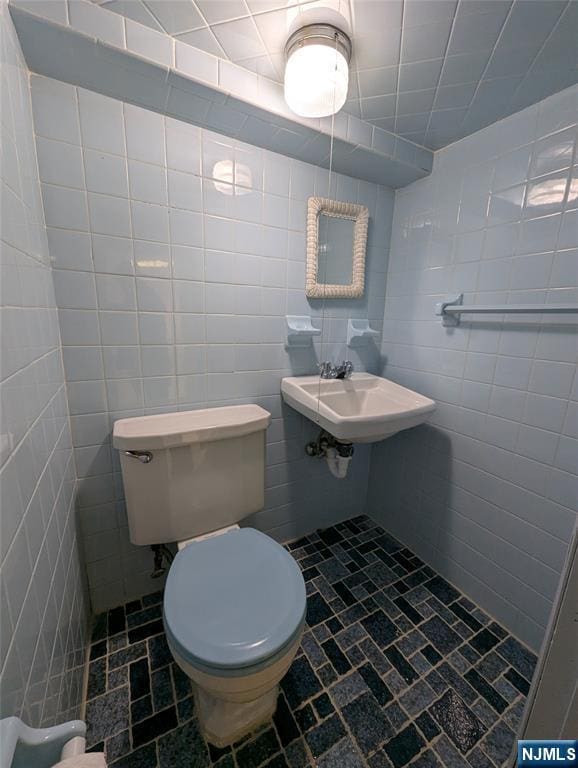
(136, 11)
(426, 42)
(215, 11)
(464, 68)
(377, 82)
(204, 39)
(419, 12)
(240, 39)
(369, 15)
(419, 75)
(454, 96)
(175, 15)
(535, 20)
(378, 107)
(413, 102)
(475, 32)
(434, 70)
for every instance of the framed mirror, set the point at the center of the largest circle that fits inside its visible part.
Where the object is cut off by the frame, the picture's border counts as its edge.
(336, 240)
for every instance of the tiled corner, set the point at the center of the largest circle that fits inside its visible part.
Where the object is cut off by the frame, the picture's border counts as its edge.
(396, 668)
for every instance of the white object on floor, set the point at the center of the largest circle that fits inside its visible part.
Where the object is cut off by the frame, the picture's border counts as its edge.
(25, 747)
(88, 760)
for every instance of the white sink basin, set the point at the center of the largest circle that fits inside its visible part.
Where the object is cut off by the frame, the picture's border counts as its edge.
(361, 409)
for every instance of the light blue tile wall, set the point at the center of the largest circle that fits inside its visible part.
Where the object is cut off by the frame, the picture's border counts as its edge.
(488, 492)
(42, 604)
(172, 286)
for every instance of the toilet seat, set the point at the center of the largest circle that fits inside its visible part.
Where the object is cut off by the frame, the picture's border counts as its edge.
(233, 603)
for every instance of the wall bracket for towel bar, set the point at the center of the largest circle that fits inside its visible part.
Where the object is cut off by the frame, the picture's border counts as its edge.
(452, 309)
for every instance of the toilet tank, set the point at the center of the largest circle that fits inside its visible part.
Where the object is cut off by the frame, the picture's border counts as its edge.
(191, 472)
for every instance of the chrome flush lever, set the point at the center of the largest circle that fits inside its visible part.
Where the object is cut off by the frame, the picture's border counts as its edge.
(145, 457)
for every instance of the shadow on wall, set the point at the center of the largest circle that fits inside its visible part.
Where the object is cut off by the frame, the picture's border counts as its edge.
(414, 482)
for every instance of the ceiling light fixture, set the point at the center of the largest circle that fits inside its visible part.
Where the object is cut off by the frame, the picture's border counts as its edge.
(317, 70)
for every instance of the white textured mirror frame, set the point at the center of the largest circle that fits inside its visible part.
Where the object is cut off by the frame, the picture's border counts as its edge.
(359, 214)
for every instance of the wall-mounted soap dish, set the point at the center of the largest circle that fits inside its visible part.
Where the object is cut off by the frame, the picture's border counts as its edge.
(300, 330)
(359, 333)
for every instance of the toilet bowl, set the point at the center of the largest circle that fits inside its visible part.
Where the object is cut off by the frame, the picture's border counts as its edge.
(234, 611)
(234, 605)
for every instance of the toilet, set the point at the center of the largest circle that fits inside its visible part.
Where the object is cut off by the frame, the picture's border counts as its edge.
(234, 602)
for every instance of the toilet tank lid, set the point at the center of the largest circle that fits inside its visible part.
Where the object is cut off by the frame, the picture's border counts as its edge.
(168, 430)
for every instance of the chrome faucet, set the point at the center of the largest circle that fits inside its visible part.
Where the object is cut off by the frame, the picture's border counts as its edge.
(329, 371)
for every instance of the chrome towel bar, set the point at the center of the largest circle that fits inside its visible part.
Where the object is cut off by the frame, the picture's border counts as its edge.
(452, 309)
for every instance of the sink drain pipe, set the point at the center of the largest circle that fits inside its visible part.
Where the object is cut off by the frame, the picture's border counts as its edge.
(338, 455)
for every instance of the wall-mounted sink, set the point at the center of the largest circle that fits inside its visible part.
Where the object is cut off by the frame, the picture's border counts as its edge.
(361, 409)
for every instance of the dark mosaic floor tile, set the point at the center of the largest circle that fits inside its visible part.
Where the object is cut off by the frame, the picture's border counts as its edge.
(330, 536)
(300, 683)
(465, 616)
(185, 709)
(96, 678)
(162, 688)
(437, 682)
(431, 654)
(182, 748)
(306, 718)
(350, 636)
(141, 709)
(404, 747)
(327, 734)
(442, 590)
(491, 666)
(458, 721)
(145, 630)
(505, 689)
(486, 690)
(118, 746)
(426, 760)
(449, 755)
(519, 657)
(517, 681)
(498, 743)
(116, 620)
(410, 643)
(126, 655)
(469, 654)
(414, 616)
(427, 726)
(285, 723)
(336, 656)
(375, 684)
(317, 610)
(116, 642)
(333, 570)
(159, 652)
(457, 682)
(276, 762)
(98, 649)
(367, 723)
(484, 641)
(154, 726)
(396, 716)
(146, 757)
(297, 755)
(140, 683)
(117, 677)
(144, 616)
(323, 706)
(133, 607)
(181, 682)
(334, 625)
(477, 759)
(417, 698)
(153, 598)
(342, 755)
(258, 750)
(441, 636)
(381, 630)
(487, 715)
(107, 715)
(216, 753)
(498, 631)
(401, 664)
(355, 655)
(347, 689)
(327, 674)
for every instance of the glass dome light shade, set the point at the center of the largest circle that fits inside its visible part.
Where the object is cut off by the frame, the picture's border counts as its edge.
(316, 77)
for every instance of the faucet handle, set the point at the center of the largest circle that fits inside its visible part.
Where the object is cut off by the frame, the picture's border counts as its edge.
(326, 369)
